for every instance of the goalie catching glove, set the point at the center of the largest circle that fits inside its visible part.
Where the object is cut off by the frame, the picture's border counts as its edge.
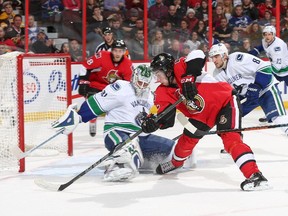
(68, 121)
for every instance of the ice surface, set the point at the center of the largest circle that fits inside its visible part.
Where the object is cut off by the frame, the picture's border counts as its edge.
(210, 189)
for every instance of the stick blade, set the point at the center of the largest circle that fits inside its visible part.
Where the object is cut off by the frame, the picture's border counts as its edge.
(184, 121)
(17, 152)
(47, 185)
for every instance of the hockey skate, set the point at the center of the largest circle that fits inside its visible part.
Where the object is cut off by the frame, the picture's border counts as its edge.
(256, 182)
(166, 167)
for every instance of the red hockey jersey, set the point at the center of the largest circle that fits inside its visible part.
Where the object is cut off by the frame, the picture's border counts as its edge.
(105, 71)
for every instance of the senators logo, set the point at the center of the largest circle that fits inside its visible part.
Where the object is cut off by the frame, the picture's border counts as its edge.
(196, 105)
(111, 76)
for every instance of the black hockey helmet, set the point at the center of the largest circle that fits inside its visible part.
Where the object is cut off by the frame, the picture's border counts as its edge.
(120, 44)
(165, 63)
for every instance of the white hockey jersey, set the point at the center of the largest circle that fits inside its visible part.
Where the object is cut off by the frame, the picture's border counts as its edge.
(277, 52)
(241, 71)
(122, 106)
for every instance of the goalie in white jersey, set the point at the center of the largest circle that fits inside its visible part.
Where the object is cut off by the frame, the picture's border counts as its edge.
(253, 80)
(276, 50)
(125, 104)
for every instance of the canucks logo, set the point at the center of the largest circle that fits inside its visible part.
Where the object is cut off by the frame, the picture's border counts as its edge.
(195, 106)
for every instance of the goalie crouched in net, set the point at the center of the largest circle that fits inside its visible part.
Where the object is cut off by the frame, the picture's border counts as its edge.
(208, 103)
(125, 103)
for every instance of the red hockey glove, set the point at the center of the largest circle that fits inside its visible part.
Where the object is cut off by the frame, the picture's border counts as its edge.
(189, 89)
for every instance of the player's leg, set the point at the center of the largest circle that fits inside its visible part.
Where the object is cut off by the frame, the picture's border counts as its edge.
(125, 163)
(229, 118)
(272, 104)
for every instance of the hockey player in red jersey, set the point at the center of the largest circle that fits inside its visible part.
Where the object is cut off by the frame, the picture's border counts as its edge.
(102, 69)
(208, 103)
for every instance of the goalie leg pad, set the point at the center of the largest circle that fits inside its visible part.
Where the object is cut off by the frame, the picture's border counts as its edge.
(68, 121)
(125, 163)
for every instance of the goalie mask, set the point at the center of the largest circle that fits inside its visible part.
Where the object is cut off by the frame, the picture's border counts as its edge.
(141, 78)
(219, 54)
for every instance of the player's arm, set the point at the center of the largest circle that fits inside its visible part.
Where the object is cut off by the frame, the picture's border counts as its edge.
(195, 61)
(256, 50)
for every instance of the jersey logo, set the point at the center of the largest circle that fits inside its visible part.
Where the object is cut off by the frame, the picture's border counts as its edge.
(223, 120)
(103, 93)
(98, 55)
(195, 106)
(277, 49)
(239, 57)
(115, 86)
(111, 76)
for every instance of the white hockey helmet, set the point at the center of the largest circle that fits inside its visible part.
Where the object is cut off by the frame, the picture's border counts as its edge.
(141, 78)
(270, 29)
(218, 49)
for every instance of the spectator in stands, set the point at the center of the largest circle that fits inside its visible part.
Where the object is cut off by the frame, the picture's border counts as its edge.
(75, 50)
(217, 16)
(249, 9)
(255, 34)
(172, 17)
(223, 32)
(193, 3)
(267, 19)
(157, 12)
(51, 10)
(130, 22)
(138, 4)
(100, 3)
(194, 42)
(43, 44)
(65, 48)
(118, 32)
(200, 28)
(180, 8)
(234, 41)
(174, 49)
(191, 18)
(267, 6)
(72, 21)
(228, 8)
(246, 48)
(183, 33)
(284, 32)
(284, 19)
(168, 33)
(5, 41)
(32, 29)
(6, 17)
(185, 50)
(90, 7)
(206, 39)
(94, 25)
(135, 45)
(239, 21)
(205, 49)
(115, 5)
(202, 12)
(15, 31)
(157, 44)
(139, 24)
(108, 38)
(283, 7)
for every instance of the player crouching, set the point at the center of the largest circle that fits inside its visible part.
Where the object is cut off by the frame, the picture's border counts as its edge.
(125, 104)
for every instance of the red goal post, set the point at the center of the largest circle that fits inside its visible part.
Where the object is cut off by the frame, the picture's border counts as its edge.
(36, 90)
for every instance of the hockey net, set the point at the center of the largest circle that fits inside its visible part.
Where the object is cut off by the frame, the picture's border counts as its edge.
(35, 91)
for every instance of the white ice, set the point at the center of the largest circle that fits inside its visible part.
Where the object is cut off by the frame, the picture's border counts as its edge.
(210, 189)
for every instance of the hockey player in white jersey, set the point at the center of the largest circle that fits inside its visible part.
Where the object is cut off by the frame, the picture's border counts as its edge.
(125, 104)
(253, 80)
(276, 50)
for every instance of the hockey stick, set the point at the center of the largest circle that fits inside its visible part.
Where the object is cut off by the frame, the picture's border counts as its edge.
(56, 187)
(184, 121)
(19, 154)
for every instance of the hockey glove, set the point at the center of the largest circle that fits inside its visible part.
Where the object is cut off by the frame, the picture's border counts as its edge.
(189, 89)
(68, 121)
(253, 92)
(149, 125)
(84, 87)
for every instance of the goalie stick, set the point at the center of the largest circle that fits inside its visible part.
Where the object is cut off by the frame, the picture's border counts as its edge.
(19, 154)
(184, 121)
(60, 187)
